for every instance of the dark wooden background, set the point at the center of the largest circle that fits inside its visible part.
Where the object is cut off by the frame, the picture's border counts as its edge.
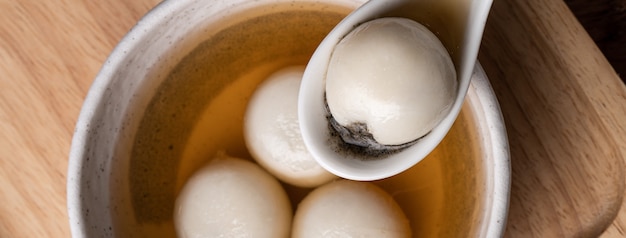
(605, 21)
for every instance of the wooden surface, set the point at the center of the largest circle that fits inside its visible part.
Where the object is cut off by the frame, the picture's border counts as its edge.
(564, 106)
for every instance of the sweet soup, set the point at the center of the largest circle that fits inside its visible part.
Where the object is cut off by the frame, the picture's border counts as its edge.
(198, 110)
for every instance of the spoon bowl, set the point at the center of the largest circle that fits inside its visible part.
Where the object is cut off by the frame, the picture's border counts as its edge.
(459, 26)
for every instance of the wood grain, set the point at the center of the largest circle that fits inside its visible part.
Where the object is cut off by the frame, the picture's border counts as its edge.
(50, 51)
(564, 106)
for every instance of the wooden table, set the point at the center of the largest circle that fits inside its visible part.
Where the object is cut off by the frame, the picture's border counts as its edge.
(564, 106)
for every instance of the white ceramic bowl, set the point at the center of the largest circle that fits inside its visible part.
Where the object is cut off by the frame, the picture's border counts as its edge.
(172, 92)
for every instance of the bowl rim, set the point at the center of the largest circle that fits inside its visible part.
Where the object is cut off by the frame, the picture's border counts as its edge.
(95, 94)
(494, 130)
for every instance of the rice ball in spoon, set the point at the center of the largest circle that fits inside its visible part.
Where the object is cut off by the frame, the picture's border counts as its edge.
(389, 82)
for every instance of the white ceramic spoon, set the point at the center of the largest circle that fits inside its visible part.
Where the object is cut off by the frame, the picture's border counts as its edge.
(459, 24)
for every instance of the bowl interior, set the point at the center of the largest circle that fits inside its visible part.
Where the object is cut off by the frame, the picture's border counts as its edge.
(174, 91)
